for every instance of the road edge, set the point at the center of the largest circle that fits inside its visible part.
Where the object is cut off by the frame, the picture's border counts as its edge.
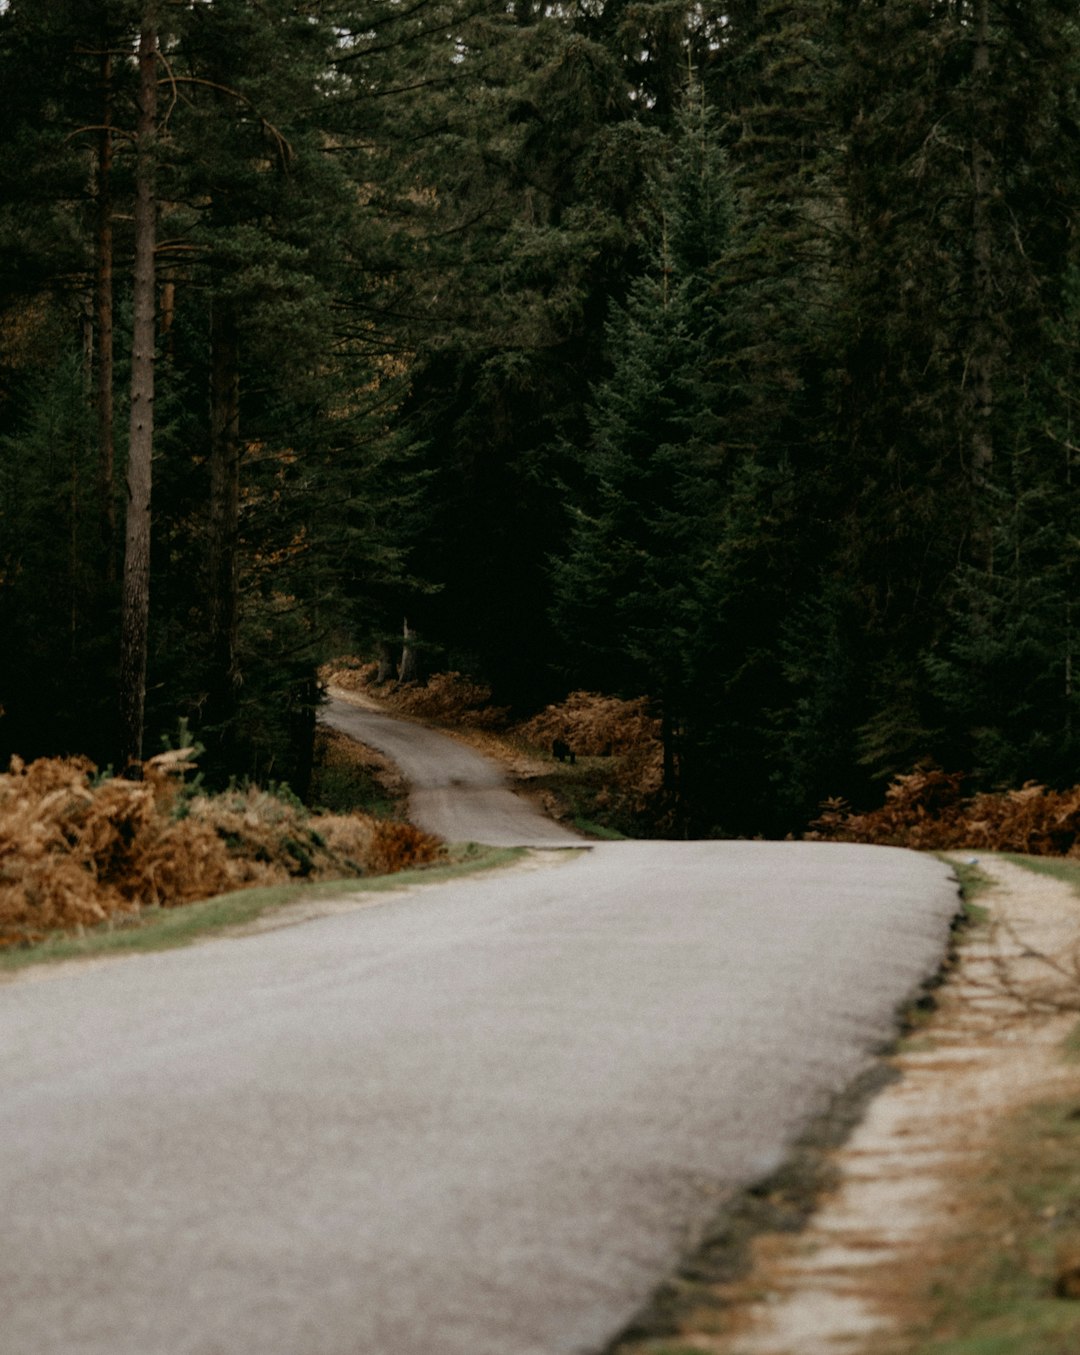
(697, 1293)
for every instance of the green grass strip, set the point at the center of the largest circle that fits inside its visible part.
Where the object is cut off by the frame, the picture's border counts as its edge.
(994, 1292)
(167, 928)
(973, 881)
(1055, 866)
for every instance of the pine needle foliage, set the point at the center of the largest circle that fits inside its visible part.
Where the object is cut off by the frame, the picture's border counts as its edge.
(630, 588)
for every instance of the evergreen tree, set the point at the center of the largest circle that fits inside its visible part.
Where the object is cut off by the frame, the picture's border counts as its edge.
(632, 592)
(271, 250)
(961, 120)
(261, 231)
(529, 161)
(47, 598)
(446, 292)
(759, 763)
(54, 298)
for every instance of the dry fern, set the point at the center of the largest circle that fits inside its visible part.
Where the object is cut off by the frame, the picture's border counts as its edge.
(925, 809)
(596, 725)
(74, 853)
(445, 698)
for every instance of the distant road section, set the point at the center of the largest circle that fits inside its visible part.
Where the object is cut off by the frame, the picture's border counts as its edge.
(455, 792)
(483, 1117)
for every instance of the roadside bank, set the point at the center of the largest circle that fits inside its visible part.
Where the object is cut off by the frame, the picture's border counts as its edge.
(948, 1223)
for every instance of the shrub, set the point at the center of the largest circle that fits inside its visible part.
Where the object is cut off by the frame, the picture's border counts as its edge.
(596, 725)
(925, 809)
(75, 851)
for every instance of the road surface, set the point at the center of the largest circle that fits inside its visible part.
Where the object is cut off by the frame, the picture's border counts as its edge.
(454, 792)
(478, 1118)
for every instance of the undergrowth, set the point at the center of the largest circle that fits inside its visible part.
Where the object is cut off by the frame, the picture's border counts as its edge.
(613, 788)
(615, 784)
(445, 698)
(169, 928)
(348, 778)
(77, 850)
(927, 810)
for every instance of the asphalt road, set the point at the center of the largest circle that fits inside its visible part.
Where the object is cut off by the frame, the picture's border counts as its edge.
(478, 1118)
(455, 792)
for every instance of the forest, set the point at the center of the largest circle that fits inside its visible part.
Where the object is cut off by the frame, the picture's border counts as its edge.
(721, 357)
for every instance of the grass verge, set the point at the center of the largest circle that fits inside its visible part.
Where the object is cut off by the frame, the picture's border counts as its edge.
(587, 795)
(347, 777)
(1068, 872)
(973, 881)
(1008, 1284)
(1006, 1278)
(167, 928)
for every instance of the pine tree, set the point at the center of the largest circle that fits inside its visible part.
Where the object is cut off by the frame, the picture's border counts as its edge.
(47, 597)
(631, 592)
(522, 163)
(754, 752)
(55, 298)
(960, 121)
(263, 232)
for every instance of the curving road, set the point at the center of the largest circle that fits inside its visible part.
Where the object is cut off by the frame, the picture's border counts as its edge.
(454, 792)
(476, 1118)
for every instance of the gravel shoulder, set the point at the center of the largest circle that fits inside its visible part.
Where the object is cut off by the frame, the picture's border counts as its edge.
(901, 1204)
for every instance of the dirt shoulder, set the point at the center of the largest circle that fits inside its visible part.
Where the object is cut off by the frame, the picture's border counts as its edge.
(952, 1213)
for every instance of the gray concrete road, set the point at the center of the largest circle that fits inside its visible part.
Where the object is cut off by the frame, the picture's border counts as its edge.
(484, 1118)
(478, 1118)
(456, 793)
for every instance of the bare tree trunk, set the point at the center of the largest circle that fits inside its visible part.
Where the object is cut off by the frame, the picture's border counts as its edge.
(385, 657)
(224, 505)
(410, 668)
(983, 359)
(224, 510)
(135, 597)
(103, 307)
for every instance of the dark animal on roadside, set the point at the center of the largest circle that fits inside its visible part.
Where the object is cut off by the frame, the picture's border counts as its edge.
(562, 751)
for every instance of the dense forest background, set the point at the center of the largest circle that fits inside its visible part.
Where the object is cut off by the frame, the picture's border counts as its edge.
(723, 356)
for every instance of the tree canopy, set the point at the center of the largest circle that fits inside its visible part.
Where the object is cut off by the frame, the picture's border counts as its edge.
(722, 358)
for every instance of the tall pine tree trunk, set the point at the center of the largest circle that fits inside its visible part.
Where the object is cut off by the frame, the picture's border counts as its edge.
(385, 659)
(103, 309)
(224, 505)
(982, 361)
(224, 512)
(135, 598)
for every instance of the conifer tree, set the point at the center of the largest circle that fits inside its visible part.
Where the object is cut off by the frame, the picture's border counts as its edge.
(259, 217)
(530, 150)
(631, 593)
(778, 286)
(960, 121)
(55, 290)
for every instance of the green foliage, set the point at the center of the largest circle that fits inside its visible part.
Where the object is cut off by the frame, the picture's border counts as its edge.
(726, 360)
(54, 662)
(628, 591)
